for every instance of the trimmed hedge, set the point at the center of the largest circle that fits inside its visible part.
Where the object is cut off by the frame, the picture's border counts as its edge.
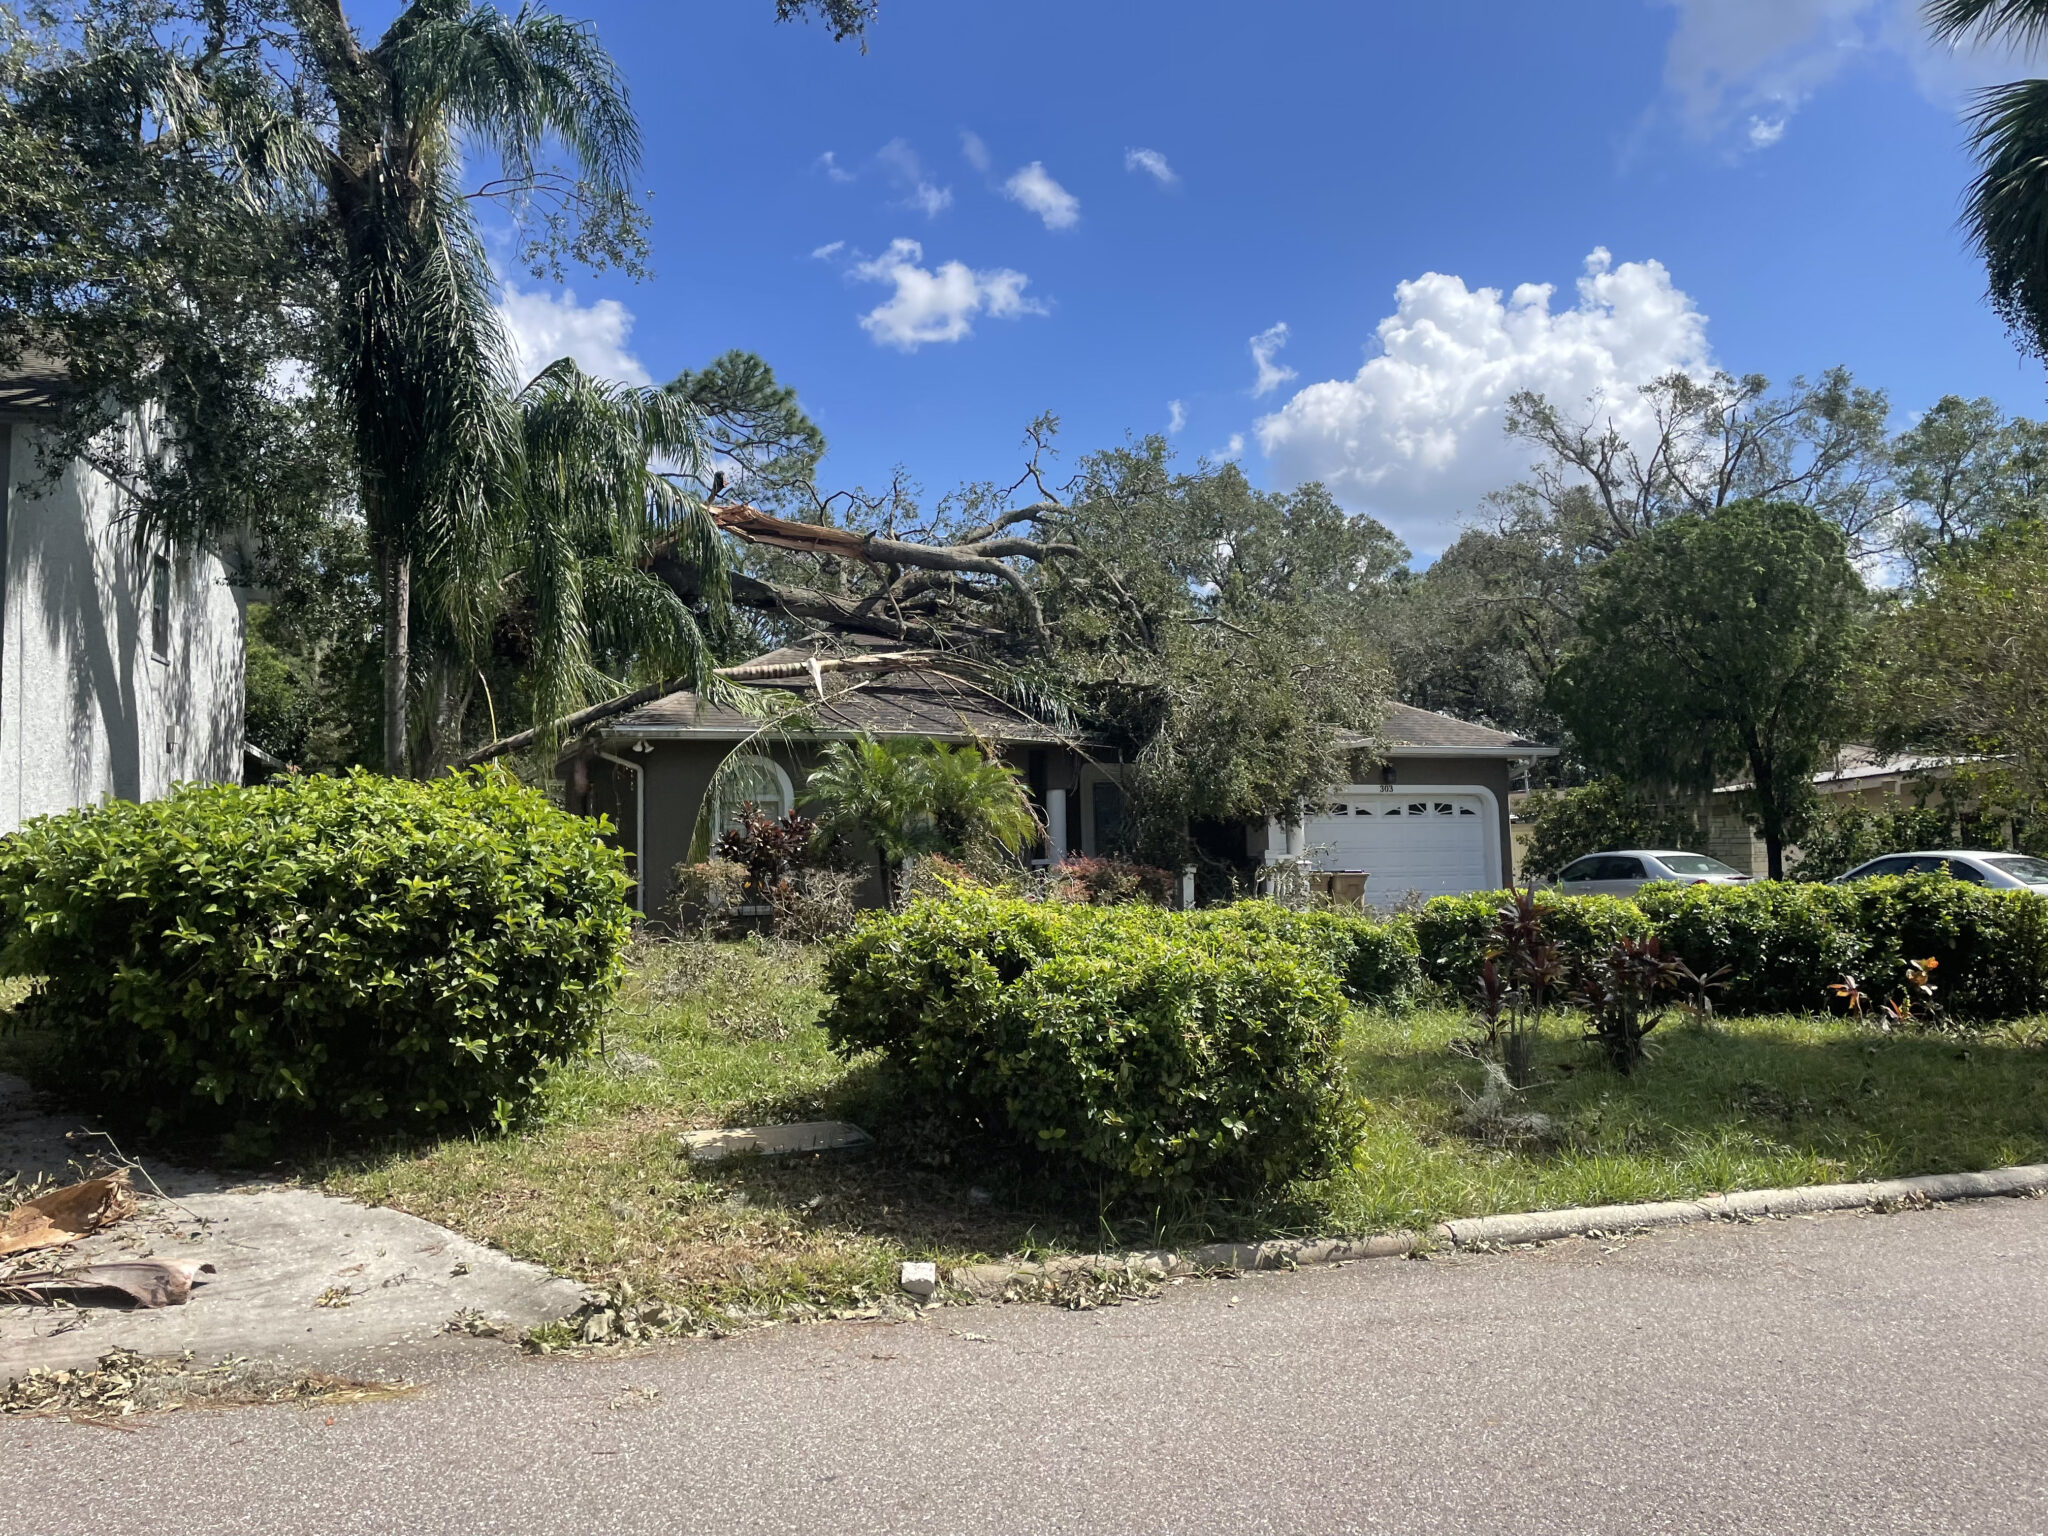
(1453, 932)
(1122, 1045)
(343, 953)
(1374, 960)
(1784, 942)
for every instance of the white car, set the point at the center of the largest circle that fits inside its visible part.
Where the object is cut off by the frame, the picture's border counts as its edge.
(2000, 871)
(1627, 871)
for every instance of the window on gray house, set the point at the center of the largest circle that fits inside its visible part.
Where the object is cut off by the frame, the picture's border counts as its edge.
(160, 608)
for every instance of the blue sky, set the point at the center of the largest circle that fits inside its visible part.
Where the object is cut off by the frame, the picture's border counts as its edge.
(940, 238)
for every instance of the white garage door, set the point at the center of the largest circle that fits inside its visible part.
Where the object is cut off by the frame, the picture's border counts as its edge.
(1434, 842)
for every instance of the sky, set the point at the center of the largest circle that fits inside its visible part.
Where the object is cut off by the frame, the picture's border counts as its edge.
(1327, 240)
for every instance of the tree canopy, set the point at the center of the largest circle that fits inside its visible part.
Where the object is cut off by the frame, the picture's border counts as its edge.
(1720, 643)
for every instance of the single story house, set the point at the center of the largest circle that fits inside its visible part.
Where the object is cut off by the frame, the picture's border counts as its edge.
(1433, 819)
(1857, 775)
(120, 663)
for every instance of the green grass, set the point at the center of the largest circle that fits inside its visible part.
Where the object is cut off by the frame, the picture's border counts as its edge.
(725, 1034)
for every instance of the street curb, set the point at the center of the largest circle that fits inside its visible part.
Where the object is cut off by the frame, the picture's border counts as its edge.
(995, 1280)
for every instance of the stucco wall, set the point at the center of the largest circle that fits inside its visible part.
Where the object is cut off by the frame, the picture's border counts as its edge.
(88, 710)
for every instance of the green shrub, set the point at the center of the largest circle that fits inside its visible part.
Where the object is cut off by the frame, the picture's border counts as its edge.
(1125, 1046)
(1786, 942)
(1373, 959)
(341, 953)
(1783, 942)
(1843, 836)
(1453, 933)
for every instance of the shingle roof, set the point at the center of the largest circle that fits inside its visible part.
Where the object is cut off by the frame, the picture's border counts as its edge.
(1407, 727)
(912, 702)
(31, 383)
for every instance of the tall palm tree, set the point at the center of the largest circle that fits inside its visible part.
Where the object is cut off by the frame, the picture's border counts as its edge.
(420, 360)
(2006, 212)
(594, 491)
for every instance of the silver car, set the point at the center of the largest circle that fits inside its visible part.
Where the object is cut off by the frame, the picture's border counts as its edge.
(2000, 871)
(1627, 871)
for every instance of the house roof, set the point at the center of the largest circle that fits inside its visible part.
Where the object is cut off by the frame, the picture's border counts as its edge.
(856, 690)
(1411, 732)
(1857, 766)
(31, 384)
(850, 695)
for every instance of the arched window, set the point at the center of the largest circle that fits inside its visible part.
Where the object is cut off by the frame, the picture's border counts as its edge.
(759, 781)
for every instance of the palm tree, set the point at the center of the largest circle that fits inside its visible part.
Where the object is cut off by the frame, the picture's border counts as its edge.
(420, 360)
(976, 799)
(2006, 212)
(909, 797)
(594, 493)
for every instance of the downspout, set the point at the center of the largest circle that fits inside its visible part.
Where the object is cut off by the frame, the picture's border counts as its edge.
(639, 830)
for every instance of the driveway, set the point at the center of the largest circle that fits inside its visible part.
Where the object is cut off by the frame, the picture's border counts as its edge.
(1839, 1374)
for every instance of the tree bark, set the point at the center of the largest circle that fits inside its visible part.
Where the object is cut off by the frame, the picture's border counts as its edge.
(395, 576)
(1768, 811)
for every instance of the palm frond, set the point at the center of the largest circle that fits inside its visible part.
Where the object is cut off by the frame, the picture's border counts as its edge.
(2006, 208)
(2021, 23)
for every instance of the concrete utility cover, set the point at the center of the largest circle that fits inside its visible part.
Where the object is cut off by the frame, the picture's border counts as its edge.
(301, 1278)
(775, 1140)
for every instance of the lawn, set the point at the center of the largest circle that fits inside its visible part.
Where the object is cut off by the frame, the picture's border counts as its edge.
(716, 1034)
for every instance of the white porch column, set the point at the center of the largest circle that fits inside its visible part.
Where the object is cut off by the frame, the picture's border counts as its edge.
(1056, 824)
(1187, 888)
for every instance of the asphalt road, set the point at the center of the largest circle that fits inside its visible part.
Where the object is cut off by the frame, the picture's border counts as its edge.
(1854, 1374)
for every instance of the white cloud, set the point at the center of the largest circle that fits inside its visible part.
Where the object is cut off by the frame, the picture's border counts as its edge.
(907, 171)
(545, 326)
(1152, 163)
(932, 305)
(974, 150)
(1415, 436)
(1265, 347)
(1036, 190)
(1748, 66)
(1234, 449)
(828, 162)
(827, 252)
(1764, 132)
(1176, 416)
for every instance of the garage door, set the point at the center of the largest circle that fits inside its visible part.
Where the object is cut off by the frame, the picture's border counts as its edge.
(1436, 844)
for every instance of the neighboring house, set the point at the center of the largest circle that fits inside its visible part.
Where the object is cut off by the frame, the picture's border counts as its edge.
(1435, 820)
(1858, 775)
(120, 666)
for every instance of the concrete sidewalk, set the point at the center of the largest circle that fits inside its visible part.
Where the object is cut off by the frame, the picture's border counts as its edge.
(1835, 1374)
(300, 1278)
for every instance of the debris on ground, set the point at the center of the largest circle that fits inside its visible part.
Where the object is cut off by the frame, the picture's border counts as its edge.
(145, 1282)
(65, 1215)
(920, 1280)
(126, 1383)
(775, 1140)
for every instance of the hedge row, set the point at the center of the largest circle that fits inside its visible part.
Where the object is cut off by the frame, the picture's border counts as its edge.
(1785, 943)
(1125, 1047)
(335, 953)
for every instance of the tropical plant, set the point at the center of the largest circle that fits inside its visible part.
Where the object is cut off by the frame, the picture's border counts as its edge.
(2006, 208)
(1622, 995)
(1522, 972)
(908, 796)
(769, 849)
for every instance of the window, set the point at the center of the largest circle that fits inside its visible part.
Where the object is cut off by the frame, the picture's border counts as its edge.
(1418, 808)
(756, 781)
(1107, 800)
(1695, 864)
(1581, 870)
(1955, 869)
(1618, 868)
(1445, 808)
(160, 608)
(1893, 866)
(2028, 871)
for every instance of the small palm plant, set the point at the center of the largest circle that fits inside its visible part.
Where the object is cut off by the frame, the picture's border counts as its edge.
(913, 797)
